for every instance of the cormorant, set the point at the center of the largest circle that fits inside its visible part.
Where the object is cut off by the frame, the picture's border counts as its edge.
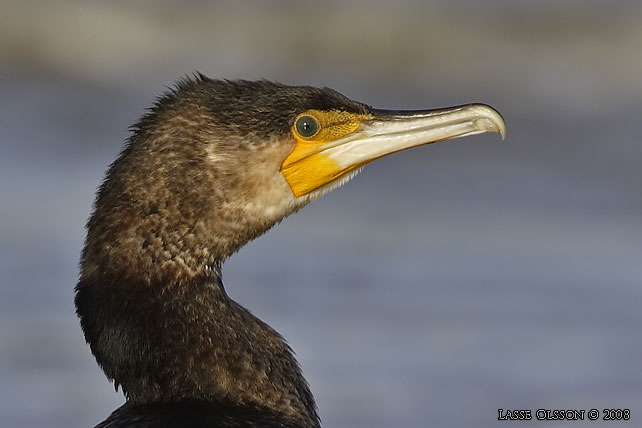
(213, 165)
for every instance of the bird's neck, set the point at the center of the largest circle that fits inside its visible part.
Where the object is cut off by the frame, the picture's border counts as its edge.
(169, 342)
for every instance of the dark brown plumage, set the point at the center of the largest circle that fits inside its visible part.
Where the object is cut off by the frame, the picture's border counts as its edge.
(175, 204)
(202, 174)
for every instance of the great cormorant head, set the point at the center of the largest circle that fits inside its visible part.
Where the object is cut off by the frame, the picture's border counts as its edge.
(216, 163)
(211, 166)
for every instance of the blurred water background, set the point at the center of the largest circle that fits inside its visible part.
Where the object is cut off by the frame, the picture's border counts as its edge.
(441, 284)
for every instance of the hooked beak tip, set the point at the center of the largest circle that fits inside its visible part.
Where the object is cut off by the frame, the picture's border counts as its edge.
(490, 120)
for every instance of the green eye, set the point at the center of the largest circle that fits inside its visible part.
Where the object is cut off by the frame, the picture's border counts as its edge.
(307, 126)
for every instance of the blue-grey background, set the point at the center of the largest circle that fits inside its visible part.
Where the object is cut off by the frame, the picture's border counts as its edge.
(441, 284)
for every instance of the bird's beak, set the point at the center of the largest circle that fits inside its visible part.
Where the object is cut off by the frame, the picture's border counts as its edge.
(385, 132)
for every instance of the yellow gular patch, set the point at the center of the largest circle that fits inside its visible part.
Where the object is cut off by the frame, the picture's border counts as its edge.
(306, 168)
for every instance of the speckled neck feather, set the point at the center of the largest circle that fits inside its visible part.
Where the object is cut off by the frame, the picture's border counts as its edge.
(195, 182)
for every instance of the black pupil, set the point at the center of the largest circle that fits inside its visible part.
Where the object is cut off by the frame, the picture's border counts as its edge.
(307, 126)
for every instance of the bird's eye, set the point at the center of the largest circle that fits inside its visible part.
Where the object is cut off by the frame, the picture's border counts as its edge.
(307, 126)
